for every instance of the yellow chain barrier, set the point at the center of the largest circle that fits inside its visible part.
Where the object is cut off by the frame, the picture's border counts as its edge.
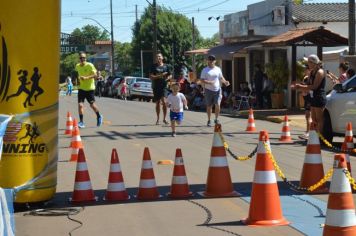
(281, 174)
(239, 158)
(330, 145)
(351, 180)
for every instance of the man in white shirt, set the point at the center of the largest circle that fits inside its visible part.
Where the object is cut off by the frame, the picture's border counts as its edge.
(211, 77)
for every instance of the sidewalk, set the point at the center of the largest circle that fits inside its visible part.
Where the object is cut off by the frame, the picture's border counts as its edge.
(296, 117)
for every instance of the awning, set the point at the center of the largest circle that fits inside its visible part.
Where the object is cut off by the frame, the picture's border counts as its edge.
(226, 51)
(197, 51)
(314, 36)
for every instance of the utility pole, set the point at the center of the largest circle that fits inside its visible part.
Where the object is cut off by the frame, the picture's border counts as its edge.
(351, 57)
(154, 21)
(193, 45)
(136, 12)
(351, 27)
(112, 43)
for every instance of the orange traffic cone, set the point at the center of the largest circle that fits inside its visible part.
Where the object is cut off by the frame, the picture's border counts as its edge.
(76, 141)
(219, 180)
(147, 189)
(285, 136)
(83, 191)
(179, 187)
(69, 124)
(313, 170)
(116, 190)
(74, 155)
(340, 217)
(265, 206)
(348, 144)
(251, 127)
(75, 124)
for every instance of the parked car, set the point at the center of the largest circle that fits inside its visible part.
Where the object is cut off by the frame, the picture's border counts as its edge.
(115, 87)
(340, 109)
(139, 87)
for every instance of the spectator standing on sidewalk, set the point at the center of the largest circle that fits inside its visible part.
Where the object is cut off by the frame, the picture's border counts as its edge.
(69, 86)
(86, 90)
(211, 77)
(176, 102)
(160, 74)
(99, 83)
(343, 67)
(306, 98)
(316, 88)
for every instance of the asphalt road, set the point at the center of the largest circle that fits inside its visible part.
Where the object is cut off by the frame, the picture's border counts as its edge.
(129, 126)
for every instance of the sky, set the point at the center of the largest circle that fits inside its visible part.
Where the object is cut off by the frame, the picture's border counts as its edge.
(74, 13)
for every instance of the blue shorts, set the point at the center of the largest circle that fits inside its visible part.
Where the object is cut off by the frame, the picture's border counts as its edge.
(178, 116)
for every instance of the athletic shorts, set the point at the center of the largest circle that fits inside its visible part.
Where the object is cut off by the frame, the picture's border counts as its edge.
(88, 95)
(212, 97)
(159, 93)
(307, 102)
(178, 116)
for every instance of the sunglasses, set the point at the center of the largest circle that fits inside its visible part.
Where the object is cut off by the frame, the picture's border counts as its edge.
(82, 58)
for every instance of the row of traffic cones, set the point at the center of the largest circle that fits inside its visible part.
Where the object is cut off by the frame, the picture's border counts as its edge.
(76, 141)
(116, 190)
(285, 136)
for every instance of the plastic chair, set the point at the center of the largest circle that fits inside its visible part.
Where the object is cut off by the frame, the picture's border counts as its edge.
(243, 102)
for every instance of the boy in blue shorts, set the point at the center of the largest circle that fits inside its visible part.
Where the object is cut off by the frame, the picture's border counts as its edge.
(176, 102)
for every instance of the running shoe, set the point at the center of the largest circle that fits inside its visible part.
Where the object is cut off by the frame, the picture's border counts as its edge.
(81, 125)
(99, 121)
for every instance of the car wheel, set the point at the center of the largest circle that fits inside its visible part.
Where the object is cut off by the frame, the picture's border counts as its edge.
(327, 128)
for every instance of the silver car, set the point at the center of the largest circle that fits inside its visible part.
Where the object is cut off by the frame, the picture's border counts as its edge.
(140, 88)
(340, 109)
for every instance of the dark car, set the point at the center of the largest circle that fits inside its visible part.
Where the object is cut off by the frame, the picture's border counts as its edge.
(107, 86)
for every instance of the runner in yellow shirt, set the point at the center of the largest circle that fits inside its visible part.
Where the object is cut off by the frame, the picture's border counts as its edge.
(86, 75)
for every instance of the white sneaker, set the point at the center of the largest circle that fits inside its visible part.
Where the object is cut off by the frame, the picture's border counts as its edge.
(304, 136)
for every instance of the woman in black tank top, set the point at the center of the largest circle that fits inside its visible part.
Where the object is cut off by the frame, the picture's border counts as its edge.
(316, 90)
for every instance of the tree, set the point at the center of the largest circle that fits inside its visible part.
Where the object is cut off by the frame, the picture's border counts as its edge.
(174, 37)
(67, 65)
(123, 52)
(90, 33)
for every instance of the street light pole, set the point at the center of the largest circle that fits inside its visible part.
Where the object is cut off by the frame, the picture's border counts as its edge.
(112, 43)
(154, 23)
(141, 63)
(154, 18)
(111, 36)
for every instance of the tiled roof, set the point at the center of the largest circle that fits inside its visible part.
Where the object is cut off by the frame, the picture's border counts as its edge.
(316, 35)
(197, 51)
(103, 42)
(318, 12)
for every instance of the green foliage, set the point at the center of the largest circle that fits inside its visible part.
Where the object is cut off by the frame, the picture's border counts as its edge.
(298, 2)
(300, 70)
(122, 54)
(67, 64)
(91, 33)
(174, 35)
(278, 72)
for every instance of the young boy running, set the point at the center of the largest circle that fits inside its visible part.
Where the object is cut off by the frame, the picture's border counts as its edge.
(176, 101)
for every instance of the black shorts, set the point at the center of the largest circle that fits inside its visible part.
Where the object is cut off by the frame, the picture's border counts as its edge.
(159, 93)
(318, 101)
(306, 102)
(88, 95)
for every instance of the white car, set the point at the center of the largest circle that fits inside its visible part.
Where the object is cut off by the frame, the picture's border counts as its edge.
(340, 109)
(140, 88)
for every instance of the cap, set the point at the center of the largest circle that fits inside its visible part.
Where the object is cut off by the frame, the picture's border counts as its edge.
(211, 57)
(314, 59)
